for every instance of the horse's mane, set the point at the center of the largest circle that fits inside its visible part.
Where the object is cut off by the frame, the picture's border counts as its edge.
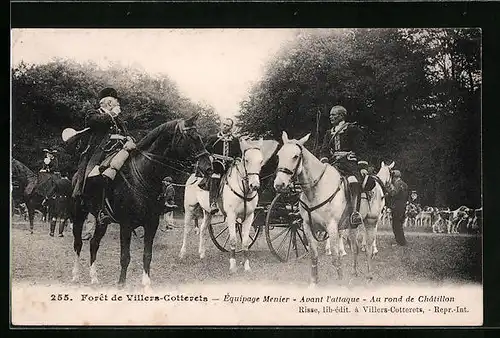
(153, 135)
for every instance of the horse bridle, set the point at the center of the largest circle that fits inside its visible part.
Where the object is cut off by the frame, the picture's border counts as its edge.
(292, 173)
(245, 178)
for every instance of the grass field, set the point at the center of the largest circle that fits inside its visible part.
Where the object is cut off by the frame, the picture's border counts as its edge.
(429, 258)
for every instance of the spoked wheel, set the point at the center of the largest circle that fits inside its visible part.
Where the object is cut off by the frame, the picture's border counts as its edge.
(219, 231)
(284, 233)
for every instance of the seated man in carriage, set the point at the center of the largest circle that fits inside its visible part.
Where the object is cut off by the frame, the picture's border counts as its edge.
(107, 147)
(225, 148)
(343, 146)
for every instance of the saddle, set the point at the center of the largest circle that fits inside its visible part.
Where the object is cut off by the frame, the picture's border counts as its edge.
(115, 159)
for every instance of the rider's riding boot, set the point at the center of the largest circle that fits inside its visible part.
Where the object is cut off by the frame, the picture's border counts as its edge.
(355, 189)
(104, 217)
(214, 187)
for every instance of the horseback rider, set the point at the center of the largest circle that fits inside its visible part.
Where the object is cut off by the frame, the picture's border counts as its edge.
(343, 146)
(107, 132)
(225, 148)
(50, 162)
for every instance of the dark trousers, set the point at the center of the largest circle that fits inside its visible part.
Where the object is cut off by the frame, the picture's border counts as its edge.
(347, 168)
(398, 216)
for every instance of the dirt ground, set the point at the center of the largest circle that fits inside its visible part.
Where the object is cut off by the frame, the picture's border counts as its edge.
(429, 258)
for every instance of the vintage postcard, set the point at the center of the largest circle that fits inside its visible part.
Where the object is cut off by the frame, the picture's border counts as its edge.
(246, 177)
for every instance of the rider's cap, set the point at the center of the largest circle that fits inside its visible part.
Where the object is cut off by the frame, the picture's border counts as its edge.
(108, 92)
(338, 110)
(396, 173)
(167, 179)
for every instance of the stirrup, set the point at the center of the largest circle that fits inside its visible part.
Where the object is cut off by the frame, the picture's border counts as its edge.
(103, 217)
(214, 209)
(356, 218)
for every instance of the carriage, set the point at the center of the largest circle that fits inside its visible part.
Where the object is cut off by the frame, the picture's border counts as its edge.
(277, 215)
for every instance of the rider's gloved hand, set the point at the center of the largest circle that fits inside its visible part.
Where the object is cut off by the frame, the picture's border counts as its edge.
(324, 160)
(364, 172)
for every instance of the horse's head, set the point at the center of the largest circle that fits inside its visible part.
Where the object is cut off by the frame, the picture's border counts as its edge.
(385, 173)
(289, 161)
(254, 155)
(188, 144)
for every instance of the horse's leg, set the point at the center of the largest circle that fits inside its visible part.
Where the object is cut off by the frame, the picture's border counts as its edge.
(31, 213)
(375, 249)
(328, 247)
(207, 218)
(333, 232)
(100, 231)
(245, 240)
(313, 247)
(341, 244)
(370, 239)
(78, 219)
(125, 237)
(149, 236)
(231, 226)
(188, 218)
(352, 235)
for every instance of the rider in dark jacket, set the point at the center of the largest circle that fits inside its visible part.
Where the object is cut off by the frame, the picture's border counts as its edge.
(103, 123)
(343, 146)
(224, 147)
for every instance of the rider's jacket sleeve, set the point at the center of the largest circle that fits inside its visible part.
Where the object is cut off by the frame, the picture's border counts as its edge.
(98, 122)
(324, 151)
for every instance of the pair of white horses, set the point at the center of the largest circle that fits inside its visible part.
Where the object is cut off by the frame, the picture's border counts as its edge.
(323, 194)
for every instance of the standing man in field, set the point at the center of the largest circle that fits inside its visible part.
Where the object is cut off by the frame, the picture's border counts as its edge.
(398, 193)
(168, 196)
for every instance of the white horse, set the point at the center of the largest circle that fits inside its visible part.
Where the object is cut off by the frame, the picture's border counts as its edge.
(239, 198)
(371, 208)
(323, 201)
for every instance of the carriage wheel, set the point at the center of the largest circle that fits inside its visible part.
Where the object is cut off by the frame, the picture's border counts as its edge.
(284, 233)
(219, 232)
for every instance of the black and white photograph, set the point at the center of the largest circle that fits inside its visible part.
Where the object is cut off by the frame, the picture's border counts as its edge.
(257, 176)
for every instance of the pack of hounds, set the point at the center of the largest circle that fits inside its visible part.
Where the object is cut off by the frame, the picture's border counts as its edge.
(440, 220)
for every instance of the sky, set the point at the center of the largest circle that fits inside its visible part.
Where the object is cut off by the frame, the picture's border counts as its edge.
(211, 66)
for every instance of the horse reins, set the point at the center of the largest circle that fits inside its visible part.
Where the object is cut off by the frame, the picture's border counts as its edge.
(294, 173)
(244, 181)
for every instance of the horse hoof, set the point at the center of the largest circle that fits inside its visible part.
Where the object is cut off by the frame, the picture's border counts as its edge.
(369, 278)
(328, 252)
(202, 255)
(94, 281)
(60, 235)
(342, 254)
(312, 285)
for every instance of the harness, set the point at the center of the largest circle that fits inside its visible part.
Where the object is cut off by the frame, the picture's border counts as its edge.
(244, 181)
(306, 207)
(293, 174)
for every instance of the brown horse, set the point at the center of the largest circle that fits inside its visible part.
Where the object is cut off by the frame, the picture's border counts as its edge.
(135, 191)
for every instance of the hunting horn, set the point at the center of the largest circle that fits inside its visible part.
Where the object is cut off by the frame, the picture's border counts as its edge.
(70, 132)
